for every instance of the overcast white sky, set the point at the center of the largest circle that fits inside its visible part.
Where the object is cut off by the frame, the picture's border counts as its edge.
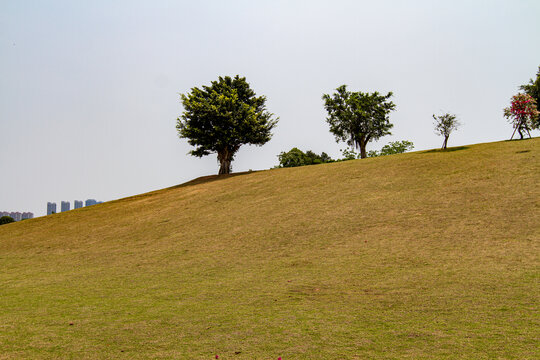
(89, 89)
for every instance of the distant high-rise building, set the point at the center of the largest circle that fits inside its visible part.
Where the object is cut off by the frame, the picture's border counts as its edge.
(64, 206)
(77, 204)
(90, 202)
(17, 216)
(51, 208)
(27, 215)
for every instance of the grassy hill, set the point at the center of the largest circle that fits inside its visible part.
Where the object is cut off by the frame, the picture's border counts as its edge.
(425, 255)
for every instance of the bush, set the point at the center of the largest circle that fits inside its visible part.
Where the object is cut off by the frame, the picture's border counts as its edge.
(395, 147)
(296, 157)
(349, 154)
(6, 220)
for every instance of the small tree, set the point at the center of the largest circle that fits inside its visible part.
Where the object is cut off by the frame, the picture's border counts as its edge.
(444, 125)
(6, 220)
(357, 118)
(222, 117)
(522, 114)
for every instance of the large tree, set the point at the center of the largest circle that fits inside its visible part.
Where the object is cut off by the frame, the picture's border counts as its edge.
(222, 117)
(533, 89)
(357, 118)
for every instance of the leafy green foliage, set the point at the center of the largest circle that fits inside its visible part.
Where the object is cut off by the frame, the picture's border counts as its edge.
(296, 157)
(373, 153)
(357, 118)
(533, 89)
(394, 147)
(349, 154)
(444, 125)
(222, 117)
(397, 147)
(6, 220)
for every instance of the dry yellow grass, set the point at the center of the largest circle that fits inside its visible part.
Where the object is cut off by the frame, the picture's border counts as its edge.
(425, 255)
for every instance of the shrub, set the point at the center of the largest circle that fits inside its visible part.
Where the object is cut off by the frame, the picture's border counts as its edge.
(395, 147)
(6, 220)
(296, 157)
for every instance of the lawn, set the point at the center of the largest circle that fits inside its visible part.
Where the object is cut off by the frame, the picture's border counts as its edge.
(424, 255)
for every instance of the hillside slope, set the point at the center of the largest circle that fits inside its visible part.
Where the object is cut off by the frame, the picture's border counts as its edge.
(425, 255)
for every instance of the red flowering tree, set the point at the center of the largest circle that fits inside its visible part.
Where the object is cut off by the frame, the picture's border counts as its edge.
(522, 114)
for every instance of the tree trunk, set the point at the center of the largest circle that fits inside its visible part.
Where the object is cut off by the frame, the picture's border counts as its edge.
(445, 143)
(224, 167)
(515, 128)
(225, 158)
(519, 128)
(363, 153)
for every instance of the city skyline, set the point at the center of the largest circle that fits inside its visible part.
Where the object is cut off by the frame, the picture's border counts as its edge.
(66, 205)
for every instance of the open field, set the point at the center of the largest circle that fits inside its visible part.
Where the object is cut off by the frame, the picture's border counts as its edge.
(425, 255)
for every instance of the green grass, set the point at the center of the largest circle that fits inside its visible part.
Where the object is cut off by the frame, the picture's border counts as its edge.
(425, 255)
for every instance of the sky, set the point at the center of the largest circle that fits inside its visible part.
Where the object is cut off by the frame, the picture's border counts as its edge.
(89, 90)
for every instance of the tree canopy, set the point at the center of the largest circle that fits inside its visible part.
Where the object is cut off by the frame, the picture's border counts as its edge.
(533, 89)
(357, 118)
(222, 117)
